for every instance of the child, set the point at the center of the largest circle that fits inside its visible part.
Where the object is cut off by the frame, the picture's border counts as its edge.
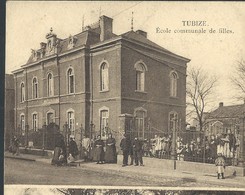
(220, 163)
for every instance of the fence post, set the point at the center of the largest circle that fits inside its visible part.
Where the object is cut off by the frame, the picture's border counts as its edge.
(81, 142)
(27, 130)
(44, 131)
(173, 152)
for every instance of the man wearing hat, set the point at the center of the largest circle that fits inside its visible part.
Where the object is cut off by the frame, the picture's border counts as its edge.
(220, 163)
(125, 147)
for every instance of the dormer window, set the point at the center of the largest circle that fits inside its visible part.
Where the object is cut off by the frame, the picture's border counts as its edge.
(71, 42)
(49, 45)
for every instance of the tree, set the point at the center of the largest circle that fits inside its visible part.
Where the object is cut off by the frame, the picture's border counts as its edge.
(238, 79)
(200, 87)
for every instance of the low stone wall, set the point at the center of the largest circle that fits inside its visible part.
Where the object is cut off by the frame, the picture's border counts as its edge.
(37, 152)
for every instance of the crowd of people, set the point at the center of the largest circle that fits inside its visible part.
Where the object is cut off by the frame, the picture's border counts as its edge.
(104, 151)
(194, 150)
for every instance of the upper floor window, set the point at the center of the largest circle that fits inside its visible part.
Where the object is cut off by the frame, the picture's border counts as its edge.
(34, 122)
(173, 84)
(140, 76)
(71, 121)
(34, 88)
(22, 92)
(50, 85)
(71, 82)
(104, 77)
(173, 120)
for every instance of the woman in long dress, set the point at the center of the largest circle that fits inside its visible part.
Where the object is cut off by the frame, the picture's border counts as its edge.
(99, 150)
(110, 154)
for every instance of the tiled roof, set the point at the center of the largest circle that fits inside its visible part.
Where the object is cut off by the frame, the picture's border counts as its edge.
(91, 36)
(140, 38)
(228, 111)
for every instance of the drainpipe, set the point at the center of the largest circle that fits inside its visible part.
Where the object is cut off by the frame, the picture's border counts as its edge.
(58, 65)
(91, 88)
(15, 78)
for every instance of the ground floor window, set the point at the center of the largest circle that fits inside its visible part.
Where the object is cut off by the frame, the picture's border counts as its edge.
(50, 118)
(104, 115)
(22, 124)
(34, 122)
(140, 116)
(71, 122)
(173, 118)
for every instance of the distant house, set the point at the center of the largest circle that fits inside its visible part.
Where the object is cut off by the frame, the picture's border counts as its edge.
(225, 120)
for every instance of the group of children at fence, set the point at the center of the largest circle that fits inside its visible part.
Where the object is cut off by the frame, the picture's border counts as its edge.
(195, 150)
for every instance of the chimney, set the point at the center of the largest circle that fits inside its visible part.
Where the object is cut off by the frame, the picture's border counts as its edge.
(221, 104)
(105, 28)
(141, 32)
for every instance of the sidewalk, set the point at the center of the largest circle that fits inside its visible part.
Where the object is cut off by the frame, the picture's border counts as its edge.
(153, 167)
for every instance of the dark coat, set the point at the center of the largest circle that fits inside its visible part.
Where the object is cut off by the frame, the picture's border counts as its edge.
(125, 144)
(99, 150)
(110, 154)
(73, 150)
(137, 145)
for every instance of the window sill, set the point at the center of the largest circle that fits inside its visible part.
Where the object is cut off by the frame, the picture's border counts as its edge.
(174, 97)
(138, 91)
(104, 91)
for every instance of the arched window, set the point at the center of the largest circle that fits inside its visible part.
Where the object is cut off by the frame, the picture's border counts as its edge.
(140, 76)
(140, 117)
(22, 124)
(104, 116)
(34, 88)
(50, 117)
(173, 84)
(104, 77)
(71, 121)
(71, 82)
(22, 92)
(50, 85)
(34, 122)
(173, 120)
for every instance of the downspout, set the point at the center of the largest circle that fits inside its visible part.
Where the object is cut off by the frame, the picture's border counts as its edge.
(26, 117)
(58, 65)
(16, 125)
(91, 88)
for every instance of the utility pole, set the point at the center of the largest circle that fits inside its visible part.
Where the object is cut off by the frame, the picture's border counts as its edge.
(173, 152)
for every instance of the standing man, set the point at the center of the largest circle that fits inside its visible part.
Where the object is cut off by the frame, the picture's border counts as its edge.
(138, 151)
(125, 147)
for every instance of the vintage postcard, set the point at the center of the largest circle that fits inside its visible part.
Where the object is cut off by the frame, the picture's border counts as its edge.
(124, 97)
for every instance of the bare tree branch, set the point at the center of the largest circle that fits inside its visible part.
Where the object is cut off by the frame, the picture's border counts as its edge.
(200, 87)
(238, 79)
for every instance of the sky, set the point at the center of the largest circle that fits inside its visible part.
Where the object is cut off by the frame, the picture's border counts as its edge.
(28, 22)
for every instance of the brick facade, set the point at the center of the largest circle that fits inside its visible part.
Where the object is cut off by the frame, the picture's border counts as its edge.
(87, 55)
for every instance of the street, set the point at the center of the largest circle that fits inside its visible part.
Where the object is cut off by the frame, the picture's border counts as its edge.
(27, 172)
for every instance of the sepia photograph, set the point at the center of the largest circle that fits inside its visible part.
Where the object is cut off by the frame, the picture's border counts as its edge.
(148, 96)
